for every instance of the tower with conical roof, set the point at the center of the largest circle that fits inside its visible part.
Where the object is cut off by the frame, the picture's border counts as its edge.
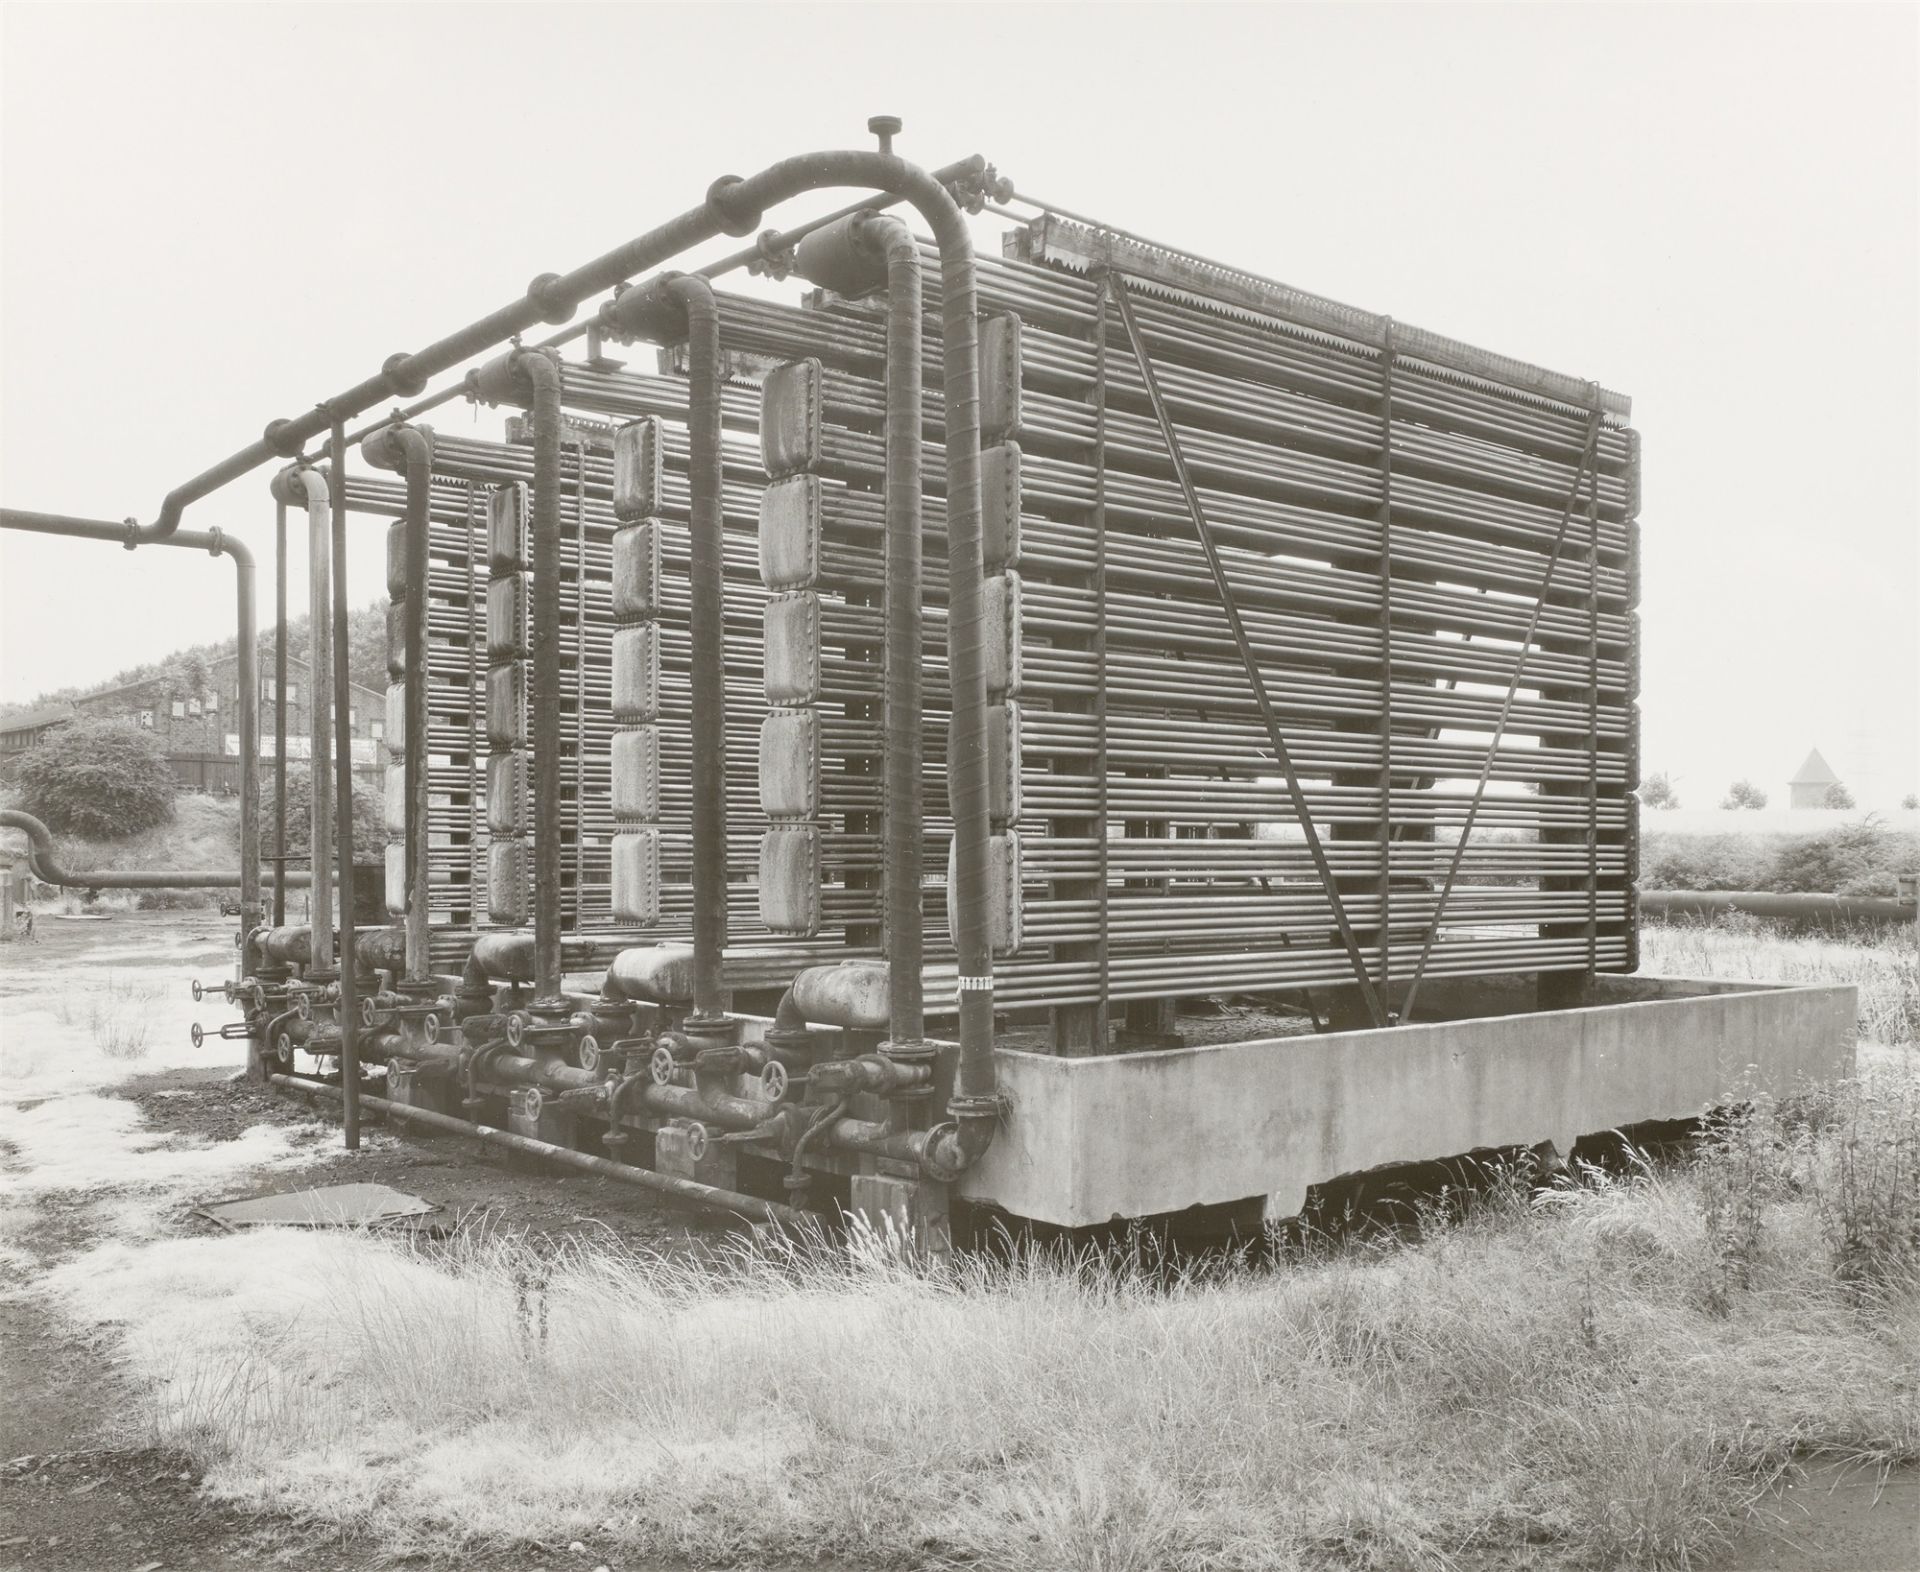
(1810, 782)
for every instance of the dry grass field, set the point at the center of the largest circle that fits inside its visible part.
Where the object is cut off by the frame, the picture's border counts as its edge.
(1611, 1372)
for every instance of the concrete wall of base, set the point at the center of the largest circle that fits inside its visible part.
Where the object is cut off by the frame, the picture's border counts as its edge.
(1088, 1140)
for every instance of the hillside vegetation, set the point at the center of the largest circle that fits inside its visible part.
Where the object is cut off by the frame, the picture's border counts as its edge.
(366, 660)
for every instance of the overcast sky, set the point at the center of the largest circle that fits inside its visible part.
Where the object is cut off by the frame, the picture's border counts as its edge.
(216, 215)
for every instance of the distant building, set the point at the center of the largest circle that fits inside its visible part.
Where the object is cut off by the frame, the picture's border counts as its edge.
(1809, 785)
(31, 729)
(201, 731)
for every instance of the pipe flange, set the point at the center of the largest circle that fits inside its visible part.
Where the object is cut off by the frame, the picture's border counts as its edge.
(405, 383)
(552, 304)
(737, 218)
(278, 437)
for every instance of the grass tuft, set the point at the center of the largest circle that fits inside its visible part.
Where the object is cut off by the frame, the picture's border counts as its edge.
(117, 1015)
(1609, 1373)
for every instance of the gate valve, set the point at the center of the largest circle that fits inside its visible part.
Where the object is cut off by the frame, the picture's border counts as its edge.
(729, 1060)
(556, 1036)
(868, 1073)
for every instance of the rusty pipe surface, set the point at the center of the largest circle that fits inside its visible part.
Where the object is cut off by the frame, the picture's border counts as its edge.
(48, 868)
(732, 206)
(541, 370)
(905, 821)
(343, 788)
(410, 450)
(694, 296)
(666, 1184)
(279, 713)
(670, 309)
(306, 487)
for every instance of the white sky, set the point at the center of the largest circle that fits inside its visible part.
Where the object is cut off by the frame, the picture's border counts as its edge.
(214, 215)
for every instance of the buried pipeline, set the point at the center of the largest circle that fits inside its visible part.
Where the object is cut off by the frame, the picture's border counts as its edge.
(822, 765)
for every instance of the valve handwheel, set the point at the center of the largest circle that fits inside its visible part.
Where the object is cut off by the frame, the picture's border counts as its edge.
(773, 1081)
(660, 1065)
(197, 1033)
(198, 992)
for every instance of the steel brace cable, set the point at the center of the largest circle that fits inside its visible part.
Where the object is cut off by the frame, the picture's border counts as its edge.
(1255, 681)
(1589, 458)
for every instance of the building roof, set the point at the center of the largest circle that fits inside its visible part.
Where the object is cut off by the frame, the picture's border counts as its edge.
(45, 715)
(294, 662)
(1815, 772)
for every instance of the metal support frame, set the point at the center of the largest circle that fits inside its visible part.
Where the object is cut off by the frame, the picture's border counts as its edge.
(1589, 459)
(1369, 996)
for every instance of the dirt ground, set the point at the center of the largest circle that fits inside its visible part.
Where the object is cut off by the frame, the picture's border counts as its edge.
(79, 1487)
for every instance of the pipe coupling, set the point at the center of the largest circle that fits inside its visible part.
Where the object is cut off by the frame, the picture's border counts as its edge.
(552, 303)
(728, 201)
(405, 383)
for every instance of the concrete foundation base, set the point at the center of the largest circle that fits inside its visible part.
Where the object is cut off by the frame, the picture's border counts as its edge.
(1090, 1140)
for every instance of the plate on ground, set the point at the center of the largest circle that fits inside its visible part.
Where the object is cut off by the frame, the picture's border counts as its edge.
(331, 1206)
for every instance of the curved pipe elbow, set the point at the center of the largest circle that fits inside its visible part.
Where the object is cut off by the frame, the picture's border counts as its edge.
(952, 1148)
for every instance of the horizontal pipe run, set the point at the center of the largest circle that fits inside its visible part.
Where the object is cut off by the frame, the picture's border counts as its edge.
(701, 1195)
(1760, 903)
(48, 869)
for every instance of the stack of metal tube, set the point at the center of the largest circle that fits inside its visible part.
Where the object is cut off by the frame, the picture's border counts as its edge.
(1436, 585)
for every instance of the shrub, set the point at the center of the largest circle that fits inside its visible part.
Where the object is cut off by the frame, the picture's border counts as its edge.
(1706, 862)
(1851, 859)
(104, 779)
(1656, 791)
(1837, 797)
(369, 816)
(1744, 794)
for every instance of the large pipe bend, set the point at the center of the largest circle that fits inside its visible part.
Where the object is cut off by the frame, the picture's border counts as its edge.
(303, 486)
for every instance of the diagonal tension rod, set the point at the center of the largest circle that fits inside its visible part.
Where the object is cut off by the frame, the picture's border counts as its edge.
(1230, 606)
(1589, 459)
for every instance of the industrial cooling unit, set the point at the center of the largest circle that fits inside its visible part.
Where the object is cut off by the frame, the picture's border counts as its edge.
(1091, 732)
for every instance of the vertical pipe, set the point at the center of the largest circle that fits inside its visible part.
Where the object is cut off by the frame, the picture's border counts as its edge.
(905, 816)
(1593, 711)
(708, 566)
(320, 686)
(343, 780)
(1385, 884)
(418, 455)
(247, 679)
(1103, 943)
(544, 377)
(279, 714)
